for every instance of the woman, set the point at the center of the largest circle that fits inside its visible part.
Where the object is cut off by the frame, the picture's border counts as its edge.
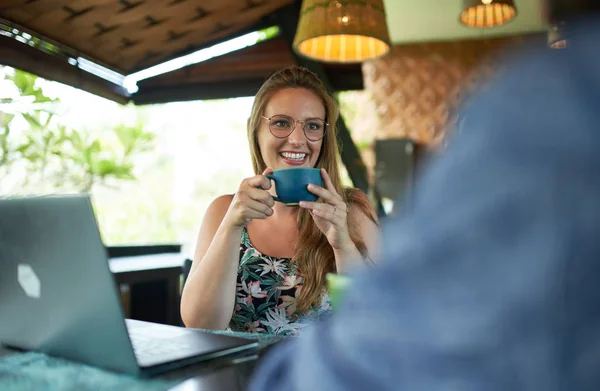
(292, 124)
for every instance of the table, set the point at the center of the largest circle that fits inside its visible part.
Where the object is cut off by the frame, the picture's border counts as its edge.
(30, 370)
(150, 286)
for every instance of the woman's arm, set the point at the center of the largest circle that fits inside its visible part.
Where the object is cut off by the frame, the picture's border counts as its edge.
(337, 216)
(362, 217)
(208, 296)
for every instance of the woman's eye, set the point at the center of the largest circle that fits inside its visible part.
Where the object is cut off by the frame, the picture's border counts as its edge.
(313, 126)
(281, 124)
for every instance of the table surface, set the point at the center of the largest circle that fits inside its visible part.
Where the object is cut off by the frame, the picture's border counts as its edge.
(30, 370)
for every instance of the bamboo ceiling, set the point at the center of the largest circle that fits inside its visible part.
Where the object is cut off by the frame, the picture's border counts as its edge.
(129, 35)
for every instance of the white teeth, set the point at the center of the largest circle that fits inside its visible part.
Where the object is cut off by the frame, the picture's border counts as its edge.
(293, 156)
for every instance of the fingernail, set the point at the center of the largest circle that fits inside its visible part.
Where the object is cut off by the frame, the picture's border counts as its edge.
(303, 203)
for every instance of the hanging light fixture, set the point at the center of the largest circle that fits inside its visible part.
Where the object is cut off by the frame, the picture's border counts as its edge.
(487, 13)
(342, 31)
(557, 38)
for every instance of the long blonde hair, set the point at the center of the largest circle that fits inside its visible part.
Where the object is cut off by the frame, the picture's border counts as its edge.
(313, 254)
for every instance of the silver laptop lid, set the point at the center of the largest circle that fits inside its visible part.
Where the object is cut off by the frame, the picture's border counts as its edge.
(57, 294)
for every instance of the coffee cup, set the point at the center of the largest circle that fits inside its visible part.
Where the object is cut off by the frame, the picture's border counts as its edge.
(291, 184)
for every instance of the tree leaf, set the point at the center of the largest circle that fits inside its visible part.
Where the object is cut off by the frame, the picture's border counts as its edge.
(32, 120)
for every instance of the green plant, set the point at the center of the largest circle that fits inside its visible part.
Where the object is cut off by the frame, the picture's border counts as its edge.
(49, 156)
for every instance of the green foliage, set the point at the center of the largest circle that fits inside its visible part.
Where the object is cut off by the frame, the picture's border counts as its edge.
(47, 156)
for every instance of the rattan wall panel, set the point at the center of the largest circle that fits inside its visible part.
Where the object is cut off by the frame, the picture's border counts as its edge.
(418, 88)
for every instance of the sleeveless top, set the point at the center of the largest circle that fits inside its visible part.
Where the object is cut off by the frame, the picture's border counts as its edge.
(266, 294)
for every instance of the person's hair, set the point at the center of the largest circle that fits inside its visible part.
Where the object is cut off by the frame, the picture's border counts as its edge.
(313, 255)
(561, 10)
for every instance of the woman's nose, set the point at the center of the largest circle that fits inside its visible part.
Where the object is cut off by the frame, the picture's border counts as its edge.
(297, 136)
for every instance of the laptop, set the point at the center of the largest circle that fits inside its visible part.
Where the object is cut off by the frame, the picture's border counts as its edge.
(58, 296)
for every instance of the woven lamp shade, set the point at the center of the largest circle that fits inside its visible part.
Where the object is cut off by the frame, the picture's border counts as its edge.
(344, 31)
(487, 13)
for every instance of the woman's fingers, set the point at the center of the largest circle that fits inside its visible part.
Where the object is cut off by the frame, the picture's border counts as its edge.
(258, 181)
(328, 212)
(329, 197)
(257, 210)
(255, 188)
(333, 203)
(327, 181)
(261, 196)
(258, 202)
(328, 193)
(252, 200)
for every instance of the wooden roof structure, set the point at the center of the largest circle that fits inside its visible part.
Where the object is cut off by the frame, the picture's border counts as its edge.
(240, 74)
(127, 36)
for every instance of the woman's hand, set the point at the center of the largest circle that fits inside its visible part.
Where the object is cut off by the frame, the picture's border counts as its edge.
(331, 215)
(251, 201)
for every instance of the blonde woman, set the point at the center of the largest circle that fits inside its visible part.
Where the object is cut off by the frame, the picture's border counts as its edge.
(260, 266)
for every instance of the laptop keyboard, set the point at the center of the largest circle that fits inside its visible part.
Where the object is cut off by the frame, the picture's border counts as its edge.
(154, 344)
(148, 348)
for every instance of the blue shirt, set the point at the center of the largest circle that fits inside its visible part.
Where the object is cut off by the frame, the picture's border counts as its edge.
(491, 280)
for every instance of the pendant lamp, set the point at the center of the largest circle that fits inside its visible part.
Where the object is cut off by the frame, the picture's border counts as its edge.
(342, 31)
(487, 13)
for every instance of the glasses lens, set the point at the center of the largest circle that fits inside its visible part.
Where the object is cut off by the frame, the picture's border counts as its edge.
(314, 129)
(281, 126)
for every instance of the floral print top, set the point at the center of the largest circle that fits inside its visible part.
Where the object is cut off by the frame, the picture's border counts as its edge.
(267, 288)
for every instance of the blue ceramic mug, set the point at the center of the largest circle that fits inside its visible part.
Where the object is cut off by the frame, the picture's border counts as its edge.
(291, 184)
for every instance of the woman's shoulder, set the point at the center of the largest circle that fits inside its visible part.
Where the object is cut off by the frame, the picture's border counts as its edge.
(222, 200)
(220, 205)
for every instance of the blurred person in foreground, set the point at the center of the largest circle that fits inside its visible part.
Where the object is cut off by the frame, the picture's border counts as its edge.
(490, 281)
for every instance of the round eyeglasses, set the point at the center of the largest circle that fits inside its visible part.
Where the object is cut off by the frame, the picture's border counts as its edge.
(281, 126)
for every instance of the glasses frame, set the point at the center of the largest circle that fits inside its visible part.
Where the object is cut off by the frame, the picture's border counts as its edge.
(294, 127)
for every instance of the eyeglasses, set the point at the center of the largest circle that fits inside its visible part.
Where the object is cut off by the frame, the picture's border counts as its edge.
(281, 126)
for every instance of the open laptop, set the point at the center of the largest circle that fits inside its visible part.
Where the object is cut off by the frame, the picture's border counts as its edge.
(58, 296)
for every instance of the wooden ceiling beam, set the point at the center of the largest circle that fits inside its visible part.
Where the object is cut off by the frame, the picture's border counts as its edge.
(65, 47)
(202, 91)
(18, 55)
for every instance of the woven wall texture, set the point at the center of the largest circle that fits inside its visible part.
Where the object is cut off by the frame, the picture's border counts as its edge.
(418, 88)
